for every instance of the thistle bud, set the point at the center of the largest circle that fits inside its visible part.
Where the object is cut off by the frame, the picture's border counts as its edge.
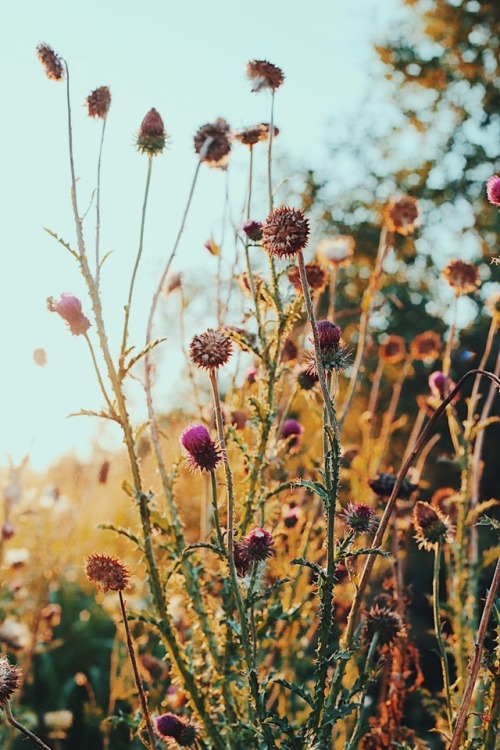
(257, 546)
(431, 526)
(292, 432)
(360, 518)
(10, 679)
(285, 232)
(385, 623)
(99, 102)
(51, 62)
(152, 136)
(253, 230)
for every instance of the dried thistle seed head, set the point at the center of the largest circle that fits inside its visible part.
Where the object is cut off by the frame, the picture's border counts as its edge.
(393, 350)
(431, 526)
(493, 190)
(385, 623)
(211, 349)
(255, 134)
(426, 346)
(461, 276)
(69, 308)
(152, 136)
(169, 726)
(336, 251)
(202, 454)
(383, 485)
(10, 679)
(51, 62)
(360, 518)
(257, 546)
(99, 102)
(108, 573)
(315, 274)
(285, 232)
(264, 75)
(216, 153)
(400, 216)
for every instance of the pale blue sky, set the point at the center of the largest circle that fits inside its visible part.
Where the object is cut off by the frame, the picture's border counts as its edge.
(187, 59)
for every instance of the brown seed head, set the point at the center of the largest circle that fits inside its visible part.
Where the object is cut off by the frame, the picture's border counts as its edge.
(10, 679)
(51, 62)
(152, 136)
(393, 350)
(108, 573)
(461, 276)
(99, 102)
(285, 232)
(431, 526)
(426, 346)
(217, 152)
(445, 498)
(384, 622)
(315, 274)
(211, 349)
(400, 216)
(264, 75)
(255, 134)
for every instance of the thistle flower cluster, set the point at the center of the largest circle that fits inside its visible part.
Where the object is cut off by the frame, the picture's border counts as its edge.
(316, 277)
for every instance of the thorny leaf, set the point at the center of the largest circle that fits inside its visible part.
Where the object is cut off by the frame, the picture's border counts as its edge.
(294, 688)
(152, 344)
(314, 566)
(62, 242)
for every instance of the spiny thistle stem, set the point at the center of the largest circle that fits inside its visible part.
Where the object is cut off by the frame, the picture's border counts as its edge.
(475, 662)
(17, 724)
(270, 157)
(439, 635)
(137, 677)
(99, 377)
(360, 722)
(137, 261)
(98, 208)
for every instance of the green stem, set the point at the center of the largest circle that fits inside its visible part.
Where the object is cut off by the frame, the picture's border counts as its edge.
(439, 635)
(360, 722)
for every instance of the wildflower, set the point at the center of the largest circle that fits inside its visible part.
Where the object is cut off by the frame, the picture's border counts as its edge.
(10, 679)
(152, 136)
(170, 726)
(108, 573)
(333, 354)
(384, 622)
(211, 349)
(257, 545)
(336, 250)
(201, 451)
(51, 62)
(264, 75)
(253, 230)
(383, 485)
(307, 379)
(292, 432)
(212, 247)
(431, 526)
(255, 134)
(393, 350)
(69, 308)
(285, 232)
(99, 102)
(360, 518)
(315, 275)
(400, 216)
(426, 346)
(461, 276)
(493, 190)
(216, 152)
(441, 384)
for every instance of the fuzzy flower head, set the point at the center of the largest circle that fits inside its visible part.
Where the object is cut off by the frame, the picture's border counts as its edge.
(69, 308)
(400, 216)
(337, 251)
(99, 102)
(264, 75)
(431, 526)
(257, 546)
(152, 136)
(493, 190)
(383, 485)
(211, 349)
(171, 727)
(51, 62)
(292, 432)
(255, 134)
(333, 355)
(253, 230)
(202, 454)
(461, 276)
(440, 385)
(393, 350)
(285, 232)
(426, 346)
(360, 518)
(316, 277)
(383, 622)
(108, 573)
(10, 679)
(213, 143)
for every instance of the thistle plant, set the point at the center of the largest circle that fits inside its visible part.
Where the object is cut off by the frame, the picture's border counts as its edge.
(286, 625)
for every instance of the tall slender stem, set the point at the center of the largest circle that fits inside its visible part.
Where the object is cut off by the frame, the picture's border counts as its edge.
(17, 724)
(98, 208)
(439, 635)
(99, 377)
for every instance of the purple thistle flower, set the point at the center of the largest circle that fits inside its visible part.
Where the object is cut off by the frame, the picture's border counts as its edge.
(292, 431)
(257, 546)
(253, 230)
(493, 190)
(360, 518)
(202, 454)
(69, 308)
(170, 726)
